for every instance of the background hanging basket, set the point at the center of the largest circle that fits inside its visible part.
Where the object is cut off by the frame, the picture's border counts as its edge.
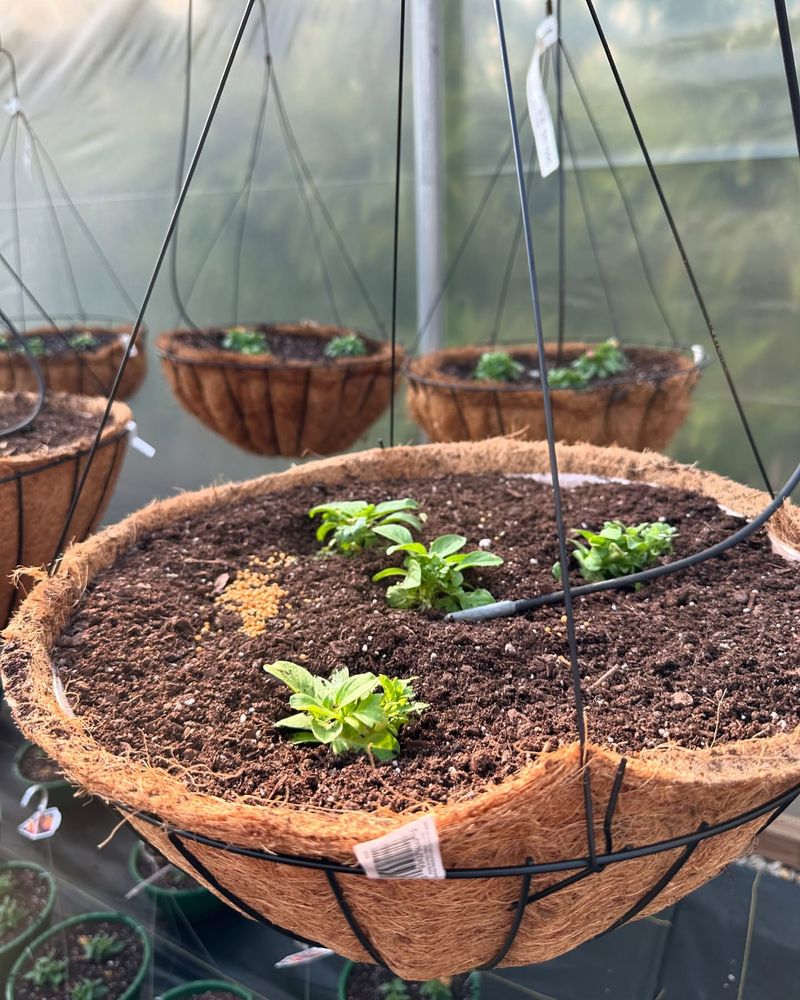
(630, 412)
(425, 928)
(87, 373)
(273, 406)
(35, 495)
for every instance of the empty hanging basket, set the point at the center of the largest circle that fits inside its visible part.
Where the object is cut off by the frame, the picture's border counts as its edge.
(290, 399)
(81, 358)
(640, 408)
(39, 472)
(519, 885)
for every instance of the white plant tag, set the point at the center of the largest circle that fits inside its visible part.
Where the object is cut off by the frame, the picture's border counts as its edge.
(303, 957)
(139, 444)
(411, 851)
(539, 110)
(44, 822)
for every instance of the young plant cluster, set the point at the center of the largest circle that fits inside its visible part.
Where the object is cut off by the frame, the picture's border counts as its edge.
(11, 913)
(245, 341)
(619, 549)
(37, 346)
(600, 362)
(350, 526)
(498, 366)
(348, 345)
(89, 989)
(47, 970)
(101, 947)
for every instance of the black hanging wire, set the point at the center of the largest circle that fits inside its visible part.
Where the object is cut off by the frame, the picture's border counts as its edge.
(789, 65)
(396, 229)
(562, 208)
(679, 243)
(27, 420)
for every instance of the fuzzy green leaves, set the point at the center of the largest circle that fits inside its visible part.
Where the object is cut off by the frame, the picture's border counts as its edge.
(102, 946)
(497, 366)
(345, 712)
(47, 970)
(89, 989)
(348, 345)
(245, 341)
(395, 989)
(618, 550)
(600, 362)
(349, 526)
(11, 915)
(433, 577)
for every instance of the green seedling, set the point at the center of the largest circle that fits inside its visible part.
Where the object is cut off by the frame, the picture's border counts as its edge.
(81, 341)
(395, 989)
(47, 970)
(435, 989)
(89, 989)
(349, 345)
(102, 946)
(36, 345)
(345, 712)
(600, 362)
(350, 525)
(618, 550)
(6, 883)
(11, 915)
(497, 366)
(433, 577)
(245, 341)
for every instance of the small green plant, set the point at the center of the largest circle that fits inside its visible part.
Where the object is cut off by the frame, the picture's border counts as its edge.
(349, 345)
(434, 577)
(47, 970)
(89, 989)
(36, 345)
(435, 989)
(395, 989)
(82, 341)
(497, 366)
(345, 712)
(245, 341)
(600, 362)
(6, 883)
(11, 915)
(350, 525)
(618, 550)
(102, 946)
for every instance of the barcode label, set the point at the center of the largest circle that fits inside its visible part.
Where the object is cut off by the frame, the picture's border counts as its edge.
(412, 851)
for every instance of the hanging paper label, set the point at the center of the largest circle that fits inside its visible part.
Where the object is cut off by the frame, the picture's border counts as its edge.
(138, 443)
(539, 110)
(412, 851)
(303, 957)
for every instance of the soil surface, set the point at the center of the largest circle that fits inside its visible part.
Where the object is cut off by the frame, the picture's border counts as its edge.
(30, 890)
(58, 424)
(55, 345)
(116, 972)
(37, 766)
(643, 365)
(365, 982)
(282, 346)
(160, 667)
(149, 861)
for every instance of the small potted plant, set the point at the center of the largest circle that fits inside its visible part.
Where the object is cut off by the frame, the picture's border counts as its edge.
(93, 956)
(207, 989)
(39, 467)
(80, 359)
(171, 889)
(371, 982)
(636, 397)
(32, 766)
(27, 893)
(284, 389)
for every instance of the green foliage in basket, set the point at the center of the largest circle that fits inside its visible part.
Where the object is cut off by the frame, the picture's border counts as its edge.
(6, 883)
(36, 345)
(433, 577)
(349, 345)
(82, 341)
(102, 946)
(349, 526)
(395, 989)
(11, 914)
(47, 970)
(345, 712)
(89, 989)
(245, 341)
(435, 989)
(599, 362)
(618, 549)
(497, 366)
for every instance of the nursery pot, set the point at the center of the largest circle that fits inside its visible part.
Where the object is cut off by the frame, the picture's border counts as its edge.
(59, 790)
(280, 406)
(196, 903)
(636, 409)
(50, 937)
(203, 986)
(36, 492)
(473, 983)
(10, 950)
(82, 372)
(261, 857)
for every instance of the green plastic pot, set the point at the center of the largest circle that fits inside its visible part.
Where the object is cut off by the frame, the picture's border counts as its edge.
(87, 918)
(202, 986)
(59, 791)
(10, 951)
(196, 903)
(474, 982)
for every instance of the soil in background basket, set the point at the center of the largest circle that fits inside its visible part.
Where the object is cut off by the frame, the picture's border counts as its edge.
(161, 670)
(149, 861)
(30, 890)
(37, 766)
(281, 346)
(116, 972)
(365, 982)
(55, 346)
(58, 424)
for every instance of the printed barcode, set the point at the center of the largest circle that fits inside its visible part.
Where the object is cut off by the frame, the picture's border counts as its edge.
(412, 851)
(399, 860)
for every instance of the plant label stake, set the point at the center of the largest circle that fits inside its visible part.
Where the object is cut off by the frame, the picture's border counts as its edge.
(44, 822)
(139, 444)
(303, 957)
(539, 110)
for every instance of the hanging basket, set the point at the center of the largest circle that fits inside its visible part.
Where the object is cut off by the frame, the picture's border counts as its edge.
(36, 491)
(641, 409)
(87, 371)
(295, 867)
(288, 406)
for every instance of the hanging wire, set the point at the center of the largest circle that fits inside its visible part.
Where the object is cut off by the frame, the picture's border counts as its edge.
(27, 420)
(789, 66)
(396, 232)
(562, 210)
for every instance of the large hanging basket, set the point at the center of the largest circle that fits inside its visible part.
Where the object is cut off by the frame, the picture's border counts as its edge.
(36, 492)
(288, 406)
(86, 371)
(262, 856)
(642, 408)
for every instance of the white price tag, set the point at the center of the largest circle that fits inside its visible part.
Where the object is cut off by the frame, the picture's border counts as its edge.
(539, 110)
(411, 851)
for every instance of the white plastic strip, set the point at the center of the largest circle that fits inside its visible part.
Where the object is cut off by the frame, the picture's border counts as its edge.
(539, 110)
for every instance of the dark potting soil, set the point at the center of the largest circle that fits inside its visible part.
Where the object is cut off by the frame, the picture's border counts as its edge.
(365, 982)
(149, 861)
(53, 345)
(116, 972)
(642, 366)
(282, 346)
(58, 424)
(30, 890)
(161, 670)
(36, 765)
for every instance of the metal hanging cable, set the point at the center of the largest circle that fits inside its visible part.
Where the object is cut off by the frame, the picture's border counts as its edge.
(562, 207)
(396, 228)
(27, 420)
